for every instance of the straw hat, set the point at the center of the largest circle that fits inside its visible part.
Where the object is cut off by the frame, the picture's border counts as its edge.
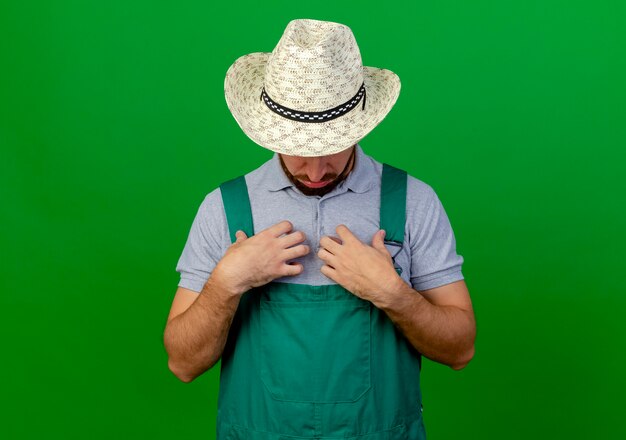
(311, 96)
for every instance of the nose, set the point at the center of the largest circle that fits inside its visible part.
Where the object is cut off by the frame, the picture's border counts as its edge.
(316, 170)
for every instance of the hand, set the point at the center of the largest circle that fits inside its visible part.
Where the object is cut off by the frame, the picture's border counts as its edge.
(366, 271)
(255, 261)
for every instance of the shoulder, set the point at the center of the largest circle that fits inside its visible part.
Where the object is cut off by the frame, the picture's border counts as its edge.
(422, 204)
(212, 203)
(211, 219)
(211, 213)
(419, 196)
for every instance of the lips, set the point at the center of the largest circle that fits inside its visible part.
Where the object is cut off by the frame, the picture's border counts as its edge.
(316, 184)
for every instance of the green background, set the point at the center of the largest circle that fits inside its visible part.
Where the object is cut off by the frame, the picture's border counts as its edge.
(113, 128)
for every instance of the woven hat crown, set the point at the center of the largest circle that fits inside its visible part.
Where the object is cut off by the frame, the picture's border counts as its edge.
(316, 65)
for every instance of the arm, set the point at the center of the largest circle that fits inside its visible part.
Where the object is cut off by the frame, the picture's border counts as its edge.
(197, 327)
(438, 322)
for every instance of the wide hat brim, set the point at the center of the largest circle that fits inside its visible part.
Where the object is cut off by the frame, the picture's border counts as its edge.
(242, 89)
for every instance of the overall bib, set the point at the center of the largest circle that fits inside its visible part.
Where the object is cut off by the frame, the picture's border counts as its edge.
(317, 362)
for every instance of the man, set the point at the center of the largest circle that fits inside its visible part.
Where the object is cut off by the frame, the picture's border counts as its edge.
(320, 278)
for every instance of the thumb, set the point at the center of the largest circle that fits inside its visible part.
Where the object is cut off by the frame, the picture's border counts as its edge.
(378, 240)
(241, 236)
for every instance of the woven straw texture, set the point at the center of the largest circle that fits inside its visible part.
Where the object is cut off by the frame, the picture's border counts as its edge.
(315, 66)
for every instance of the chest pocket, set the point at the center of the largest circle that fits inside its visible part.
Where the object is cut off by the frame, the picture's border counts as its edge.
(314, 351)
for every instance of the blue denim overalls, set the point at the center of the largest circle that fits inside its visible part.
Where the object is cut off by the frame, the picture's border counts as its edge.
(317, 362)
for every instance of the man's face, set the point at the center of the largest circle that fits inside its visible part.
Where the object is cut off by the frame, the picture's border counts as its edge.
(316, 176)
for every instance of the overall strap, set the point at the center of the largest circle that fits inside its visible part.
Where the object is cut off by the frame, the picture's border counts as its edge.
(393, 213)
(237, 207)
(393, 204)
(393, 207)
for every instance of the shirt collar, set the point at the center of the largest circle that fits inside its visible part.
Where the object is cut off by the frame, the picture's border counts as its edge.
(359, 180)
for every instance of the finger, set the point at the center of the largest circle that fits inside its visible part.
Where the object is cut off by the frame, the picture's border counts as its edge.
(327, 257)
(346, 235)
(293, 269)
(240, 236)
(296, 252)
(378, 241)
(292, 239)
(335, 239)
(329, 272)
(331, 244)
(280, 228)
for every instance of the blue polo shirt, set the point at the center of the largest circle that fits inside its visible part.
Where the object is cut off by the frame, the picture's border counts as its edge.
(428, 257)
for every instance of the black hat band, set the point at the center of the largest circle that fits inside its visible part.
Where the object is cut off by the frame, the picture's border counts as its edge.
(322, 116)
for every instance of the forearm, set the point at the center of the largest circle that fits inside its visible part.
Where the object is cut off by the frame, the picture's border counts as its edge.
(195, 339)
(442, 333)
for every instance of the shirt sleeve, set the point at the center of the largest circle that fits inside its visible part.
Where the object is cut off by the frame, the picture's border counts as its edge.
(434, 260)
(205, 243)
